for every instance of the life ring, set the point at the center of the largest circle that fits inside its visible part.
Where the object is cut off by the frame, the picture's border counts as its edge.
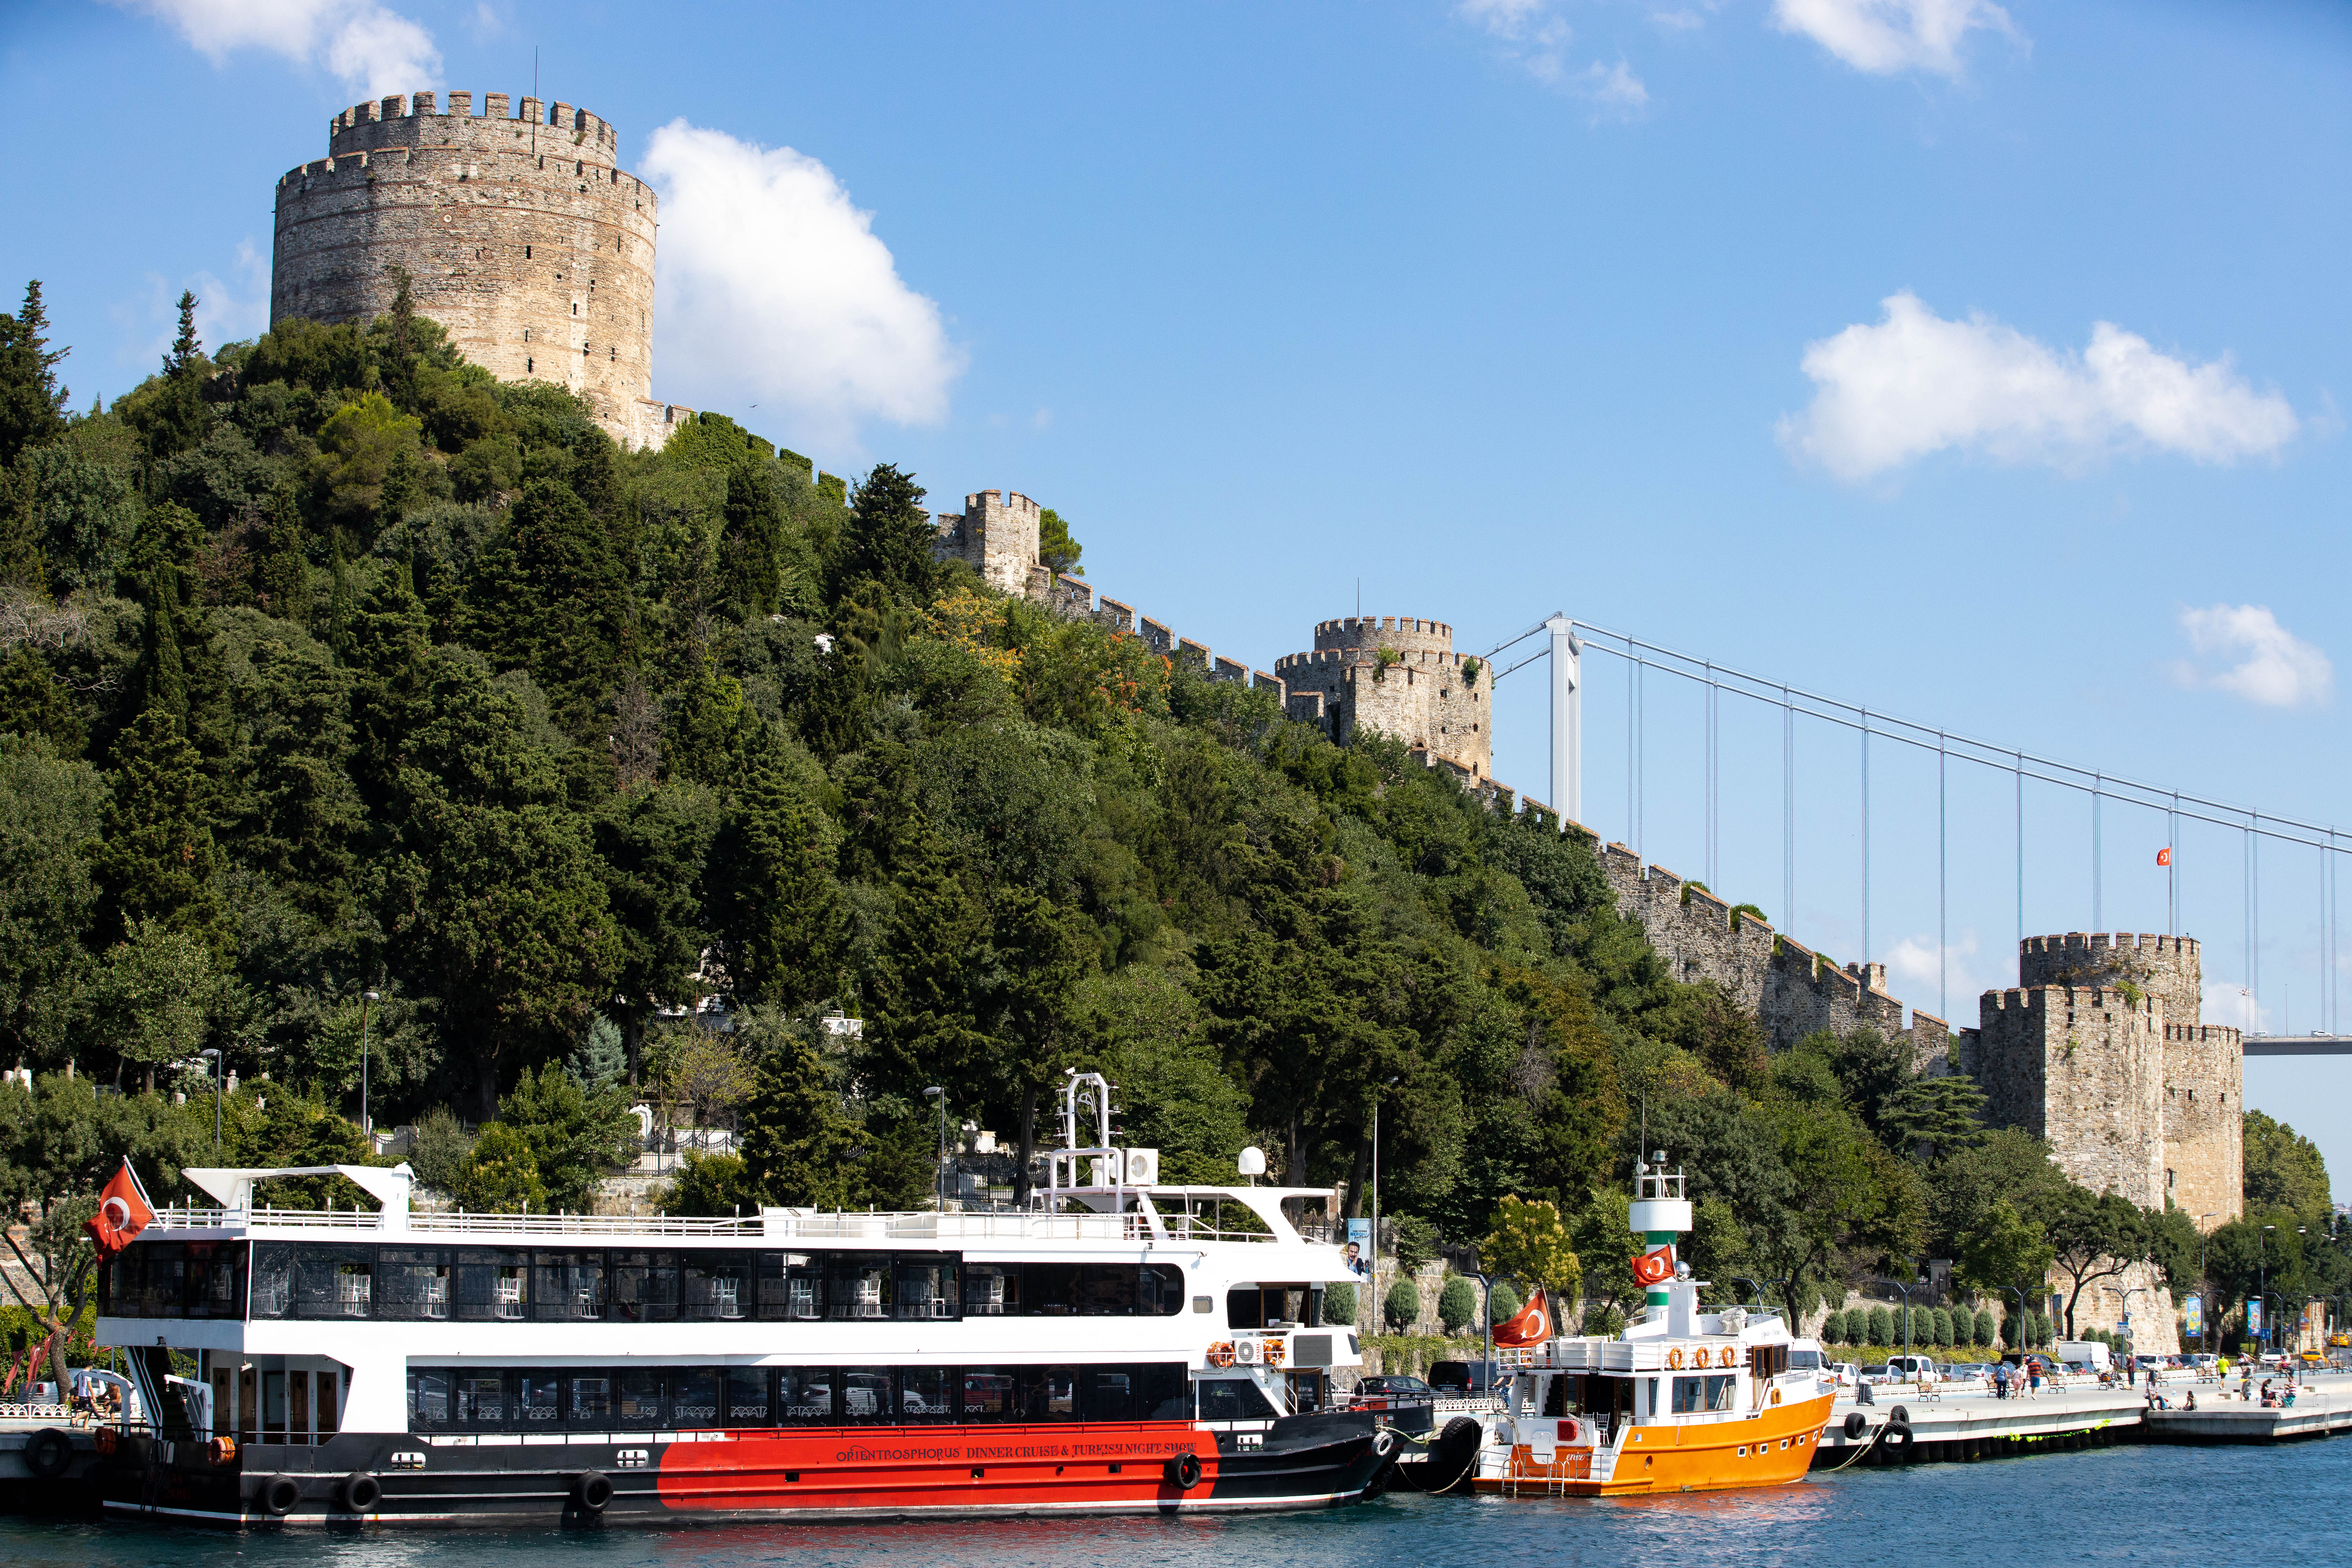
(50, 1455)
(1274, 1352)
(1184, 1472)
(1221, 1353)
(1776, 1396)
(1730, 1356)
(223, 1450)
(1675, 1358)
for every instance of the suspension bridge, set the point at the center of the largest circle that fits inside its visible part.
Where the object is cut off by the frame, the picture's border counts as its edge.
(2284, 846)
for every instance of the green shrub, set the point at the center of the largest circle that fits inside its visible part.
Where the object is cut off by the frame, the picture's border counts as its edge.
(1984, 1329)
(1882, 1326)
(1457, 1304)
(1505, 1304)
(1943, 1328)
(1402, 1306)
(1339, 1304)
(1834, 1327)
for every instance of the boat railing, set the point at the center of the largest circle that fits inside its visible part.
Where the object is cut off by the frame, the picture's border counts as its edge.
(793, 1224)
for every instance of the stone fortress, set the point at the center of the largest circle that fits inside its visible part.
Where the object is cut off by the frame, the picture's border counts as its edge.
(520, 233)
(524, 237)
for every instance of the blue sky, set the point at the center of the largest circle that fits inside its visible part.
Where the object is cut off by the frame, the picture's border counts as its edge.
(1979, 364)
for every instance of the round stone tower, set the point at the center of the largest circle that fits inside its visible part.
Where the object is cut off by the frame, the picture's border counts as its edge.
(2164, 967)
(520, 234)
(1401, 676)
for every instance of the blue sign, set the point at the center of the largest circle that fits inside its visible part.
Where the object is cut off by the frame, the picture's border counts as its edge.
(2255, 1317)
(2192, 1320)
(1359, 1248)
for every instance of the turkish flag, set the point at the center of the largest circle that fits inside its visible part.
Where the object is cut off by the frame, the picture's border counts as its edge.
(123, 1213)
(1532, 1325)
(1654, 1267)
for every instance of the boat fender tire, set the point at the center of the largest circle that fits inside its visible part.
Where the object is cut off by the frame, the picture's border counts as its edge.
(278, 1496)
(1900, 1416)
(592, 1491)
(1383, 1443)
(1184, 1471)
(49, 1454)
(359, 1492)
(1453, 1455)
(1898, 1437)
(1856, 1424)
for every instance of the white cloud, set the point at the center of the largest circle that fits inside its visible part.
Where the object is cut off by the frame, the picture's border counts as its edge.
(1613, 89)
(1912, 972)
(2272, 666)
(773, 288)
(2227, 1002)
(1533, 38)
(1915, 383)
(373, 49)
(226, 310)
(1884, 36)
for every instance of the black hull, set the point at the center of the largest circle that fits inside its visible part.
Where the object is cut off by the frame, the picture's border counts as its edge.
(1302, 1462)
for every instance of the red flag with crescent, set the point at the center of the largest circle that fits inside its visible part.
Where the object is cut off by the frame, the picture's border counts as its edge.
(123, 1212)
(1530, 1325)
(1654, 1267)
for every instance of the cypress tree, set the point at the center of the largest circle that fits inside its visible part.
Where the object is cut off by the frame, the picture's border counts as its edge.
(281, 569)
(156, 859)
(32, 403)
(888, 540)
(774, 902)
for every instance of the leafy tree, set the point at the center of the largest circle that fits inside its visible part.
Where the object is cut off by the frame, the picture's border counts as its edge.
(1503, 1303)
(153, 994)
(801, 1147)
(156, 859)
(2001, 1249)
(1057, 551)
(439, 1149)
(2284, 1170)
(1402, 1305)
(778, 913)
(1529, 1243)
(1339, 1304)
(887, 542)
(709, 1186)
(602, 1059)
(2093, 1236)
(501, 1174)
(32, 405)
(50, 811)
(572, 1135)
(1933, 1116)
(1457, 1303)
(554, 598)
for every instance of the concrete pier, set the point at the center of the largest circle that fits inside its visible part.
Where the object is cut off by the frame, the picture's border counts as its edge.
(1976, 1426)
(2316, 1413)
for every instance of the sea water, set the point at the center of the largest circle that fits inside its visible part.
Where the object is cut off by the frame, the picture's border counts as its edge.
(2130, 1504)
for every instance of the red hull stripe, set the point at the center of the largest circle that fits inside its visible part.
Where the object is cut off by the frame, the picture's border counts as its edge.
(932, 1466)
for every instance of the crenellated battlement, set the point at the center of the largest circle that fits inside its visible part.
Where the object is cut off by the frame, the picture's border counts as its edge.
(1406, 634)
(2073, 999)
(1399, 675)
(520, 234)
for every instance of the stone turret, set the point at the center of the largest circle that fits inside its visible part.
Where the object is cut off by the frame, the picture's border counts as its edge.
(1399, 675)
(996, 535)
(520, 234)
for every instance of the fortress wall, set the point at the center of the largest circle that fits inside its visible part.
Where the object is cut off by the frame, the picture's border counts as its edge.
(2204, 1121)
(522, 236)
(2167, 967)
(1428, 697)
(2081, 1066)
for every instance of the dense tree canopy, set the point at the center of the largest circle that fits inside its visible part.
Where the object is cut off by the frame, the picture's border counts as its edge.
(330, 665)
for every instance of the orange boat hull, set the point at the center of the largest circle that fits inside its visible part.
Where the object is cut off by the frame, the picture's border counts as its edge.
(1772, 1449)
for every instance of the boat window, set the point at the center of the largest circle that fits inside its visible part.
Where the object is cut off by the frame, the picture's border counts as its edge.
(1051, 1289)
(568, 1287)
(991, 1290)
(868, 1395)
(1109, 1393)
(412, 1284)
(175, 1279)
(587, 1401)
(636, 1397)
(991, 1394)
(856, 1285)
(791, 1287)
(645, 1287)
(489, 1286)
(273, 1278)
(926, 1393)
(716, 1287)
(1694, 1395)
(804, 1395)
(1274, 1306)
(1244, 1309)
(1163, 1391)
(1809, 1360)
(747, 1397)
(428, 1400)
(333, 1281)
(481, 1401)
(694, 1397)
(1234, 1399)
(926, 1287)
(538, 1401)
(1049, 1394)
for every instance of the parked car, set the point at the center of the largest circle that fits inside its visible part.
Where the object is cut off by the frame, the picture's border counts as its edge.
(1406, 1402)
(2204, 1363)
(1844, 1373)
(1914, 1369)
(1875, 1371)
(1464, 1377)
(1970, 1372)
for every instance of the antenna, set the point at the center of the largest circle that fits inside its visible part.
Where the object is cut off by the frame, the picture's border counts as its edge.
(534, 97)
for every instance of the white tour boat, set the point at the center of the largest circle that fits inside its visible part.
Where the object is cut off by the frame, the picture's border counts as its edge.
(1120, 1346)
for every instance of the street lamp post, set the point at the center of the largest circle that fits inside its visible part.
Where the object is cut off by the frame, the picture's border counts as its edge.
(218, 1062)
(1899, 1285)
(2025, 1323)
(2204, 1284)
(2263, 1278)
(940, 1165)
(366, 1124)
